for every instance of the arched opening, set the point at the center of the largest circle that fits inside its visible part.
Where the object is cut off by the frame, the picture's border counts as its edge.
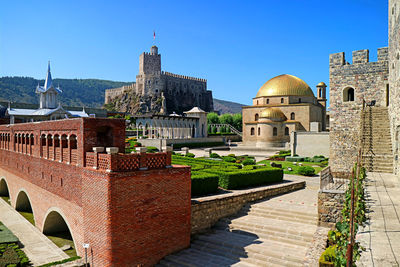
(299, 100)
(256, 117)
(292, 116)
(194, 129)
(348, 94)
(275, 131)
(286, 131)
(282, 100)
(57, 230)
(4, 193)
(252, 131)
(267, 100)
(23, 206)
(259, 131)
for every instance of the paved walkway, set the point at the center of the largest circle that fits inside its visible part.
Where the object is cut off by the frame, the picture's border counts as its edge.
(279, 231)
(381, 235)
(39, 249)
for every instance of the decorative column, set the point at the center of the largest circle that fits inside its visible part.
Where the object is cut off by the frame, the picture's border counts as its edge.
(69, 149)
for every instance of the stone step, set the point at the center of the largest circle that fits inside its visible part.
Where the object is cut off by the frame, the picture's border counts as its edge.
(284, 209)
(281, 216)
(266, 234)
(251, 242)
(287, 226)
(258, 258)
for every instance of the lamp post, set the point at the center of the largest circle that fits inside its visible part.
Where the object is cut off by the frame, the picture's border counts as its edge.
(86, 246)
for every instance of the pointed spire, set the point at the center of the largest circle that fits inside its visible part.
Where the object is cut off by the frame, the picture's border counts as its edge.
(49, 82)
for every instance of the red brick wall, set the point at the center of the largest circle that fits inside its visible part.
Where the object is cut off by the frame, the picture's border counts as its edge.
(149, 215)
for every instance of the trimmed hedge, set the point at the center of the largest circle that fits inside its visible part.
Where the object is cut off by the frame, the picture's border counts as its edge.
(248, 162)
(204, 183)
(294, 159)
(246, 178)
(306, 170)
(12, 255)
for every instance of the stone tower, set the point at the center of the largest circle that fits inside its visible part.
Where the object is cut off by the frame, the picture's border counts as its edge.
(150, 63)
(321, 93)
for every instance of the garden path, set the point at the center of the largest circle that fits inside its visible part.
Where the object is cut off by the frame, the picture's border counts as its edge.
(381, 235)
(39, 249)
(278, 231)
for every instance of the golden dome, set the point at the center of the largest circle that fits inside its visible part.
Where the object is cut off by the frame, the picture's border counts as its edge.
(274, 114)
(321, 84)
(285, 85)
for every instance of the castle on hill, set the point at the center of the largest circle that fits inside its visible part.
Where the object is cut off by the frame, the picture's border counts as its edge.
(159, 92)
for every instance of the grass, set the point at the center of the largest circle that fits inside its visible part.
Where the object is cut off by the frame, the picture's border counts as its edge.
(286, 164)
(62, 239)
(28, 215)
(6, 199)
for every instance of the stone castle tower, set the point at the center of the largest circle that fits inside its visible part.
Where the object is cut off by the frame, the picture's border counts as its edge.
(181, 93)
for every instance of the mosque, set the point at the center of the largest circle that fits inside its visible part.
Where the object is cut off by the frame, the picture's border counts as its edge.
(282, 105)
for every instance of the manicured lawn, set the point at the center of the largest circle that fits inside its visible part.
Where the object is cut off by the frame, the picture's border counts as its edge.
(62, 239)
(286, 164)
(28, 216)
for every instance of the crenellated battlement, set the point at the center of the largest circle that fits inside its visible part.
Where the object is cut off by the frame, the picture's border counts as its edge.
(358, 57)
(183, 77)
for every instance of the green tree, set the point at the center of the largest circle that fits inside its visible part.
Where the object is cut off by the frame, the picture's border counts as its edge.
(237, 121)
(212, 118)
(226, 119)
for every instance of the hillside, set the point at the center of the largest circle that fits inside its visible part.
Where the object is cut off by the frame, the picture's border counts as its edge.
(78, 92)
(227, 106)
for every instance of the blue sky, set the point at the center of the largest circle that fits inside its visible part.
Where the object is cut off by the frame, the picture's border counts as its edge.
(235, 45)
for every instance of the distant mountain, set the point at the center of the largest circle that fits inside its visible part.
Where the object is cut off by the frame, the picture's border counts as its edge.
(223, 106)
(78, 92)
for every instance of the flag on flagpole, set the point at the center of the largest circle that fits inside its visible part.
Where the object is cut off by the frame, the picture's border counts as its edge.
(154, 35)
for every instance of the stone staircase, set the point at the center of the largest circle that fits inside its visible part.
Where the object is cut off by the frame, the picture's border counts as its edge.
(273, 233)
(377, 147)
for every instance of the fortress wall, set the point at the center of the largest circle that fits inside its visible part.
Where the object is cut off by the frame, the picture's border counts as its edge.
(369, 81)
(394, 79)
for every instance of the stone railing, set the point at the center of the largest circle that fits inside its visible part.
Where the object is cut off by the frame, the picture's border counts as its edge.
(128, 162)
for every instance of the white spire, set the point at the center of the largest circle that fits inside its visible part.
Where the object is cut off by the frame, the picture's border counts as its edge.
(49, 82)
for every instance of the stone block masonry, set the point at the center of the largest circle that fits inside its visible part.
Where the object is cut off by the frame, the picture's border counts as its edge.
(133, 209)
(330, 205)
(350, 84)
(206, 211)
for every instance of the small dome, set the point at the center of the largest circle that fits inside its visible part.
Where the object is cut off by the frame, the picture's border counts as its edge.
(321, 84)
(285, 85)
(274, 114)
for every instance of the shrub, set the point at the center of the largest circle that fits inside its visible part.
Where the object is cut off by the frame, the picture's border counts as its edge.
(214, 155)
(294, 159)
(190, 155)
(328, 257)
(229, 159)
(245, 178)
(307, 159)
(248, 162)
(284, 152)
(12, 255)
(152, 149)
(306, 170)
(204, 183)
(232, 155)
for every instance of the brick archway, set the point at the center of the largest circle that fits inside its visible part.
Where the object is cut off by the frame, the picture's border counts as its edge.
(4, 190)
(23, 203)
(55, 221)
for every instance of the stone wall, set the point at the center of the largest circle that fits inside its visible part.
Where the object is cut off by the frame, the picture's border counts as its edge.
(309, 144)
(369, 80)
(394, 80)
(206, 211)
(159, 143)
(330, 205)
